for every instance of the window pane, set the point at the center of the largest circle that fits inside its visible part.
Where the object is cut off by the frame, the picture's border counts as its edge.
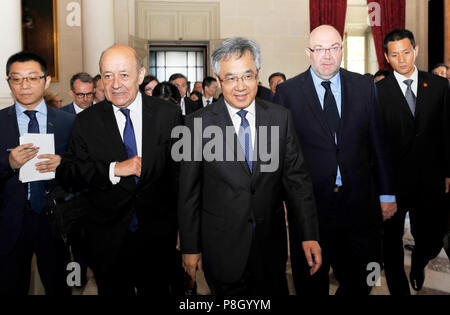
(200, 74)
(175, 58)
(192, 75)
(161, 74)
(172, 70)
(153, 71)
(199, 59)
(191, 59)
(160, 59)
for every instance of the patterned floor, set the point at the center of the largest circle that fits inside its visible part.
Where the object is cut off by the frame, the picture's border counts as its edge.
(437, 277)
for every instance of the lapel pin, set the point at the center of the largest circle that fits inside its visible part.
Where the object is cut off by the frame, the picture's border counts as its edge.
(425, 85)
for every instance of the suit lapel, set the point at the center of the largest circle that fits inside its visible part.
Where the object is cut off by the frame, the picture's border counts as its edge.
(149, 140)
(398, 95)
(13, 125)
(262, 119)
(421, 94)
(345, 99)
(51, 120)
(310, 93)
(115, 140)
(222, 119)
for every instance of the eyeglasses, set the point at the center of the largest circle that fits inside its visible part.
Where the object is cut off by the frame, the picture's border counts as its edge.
(321, 51)
(83, 95)
(33, 80)
(233, 80)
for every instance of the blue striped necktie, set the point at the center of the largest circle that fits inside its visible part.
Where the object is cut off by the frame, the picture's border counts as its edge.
(245, 136)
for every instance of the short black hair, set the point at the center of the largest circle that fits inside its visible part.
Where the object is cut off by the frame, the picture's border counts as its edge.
(383, 72)
(207, 82)
(439, 65)
(25, 56)
(277, 74)
(396, 35)
(147, 79)
(175, 76)
(83, 77)
(167, 91)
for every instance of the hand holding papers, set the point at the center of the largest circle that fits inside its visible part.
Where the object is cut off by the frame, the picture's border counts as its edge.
(46, 144)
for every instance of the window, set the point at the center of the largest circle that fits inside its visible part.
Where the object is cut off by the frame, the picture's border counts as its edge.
(188, 60)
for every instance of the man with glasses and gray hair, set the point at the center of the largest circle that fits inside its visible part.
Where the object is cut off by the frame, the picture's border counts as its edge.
(230, 210)
(82, 90)
(336, 118)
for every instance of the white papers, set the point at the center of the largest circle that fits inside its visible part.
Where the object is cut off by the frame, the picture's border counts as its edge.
(46, 145)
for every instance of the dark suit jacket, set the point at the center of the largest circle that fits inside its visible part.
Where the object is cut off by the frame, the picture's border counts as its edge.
(419, 145)
(191, 106)
(359, 152)
(220, 201)
(13, 193)
(96, 142)
(265, 93)
(69, 108)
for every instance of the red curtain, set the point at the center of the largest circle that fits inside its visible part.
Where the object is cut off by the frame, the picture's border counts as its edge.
(389, 15)
(331, 12)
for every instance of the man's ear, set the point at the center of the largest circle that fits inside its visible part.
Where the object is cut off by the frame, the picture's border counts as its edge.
(386, 56)
(48, 80)
(141, 75)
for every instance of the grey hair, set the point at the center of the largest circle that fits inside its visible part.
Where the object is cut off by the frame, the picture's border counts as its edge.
(235, 46)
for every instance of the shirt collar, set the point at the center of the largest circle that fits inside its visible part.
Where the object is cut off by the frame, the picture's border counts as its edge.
(233, 111)
(335, 81)
(41, 108)
(136, 106)
(401, 78)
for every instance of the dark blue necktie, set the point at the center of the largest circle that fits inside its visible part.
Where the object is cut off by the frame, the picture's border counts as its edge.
(129, 140)
(37, 189)
(330, 108)
(245, 136)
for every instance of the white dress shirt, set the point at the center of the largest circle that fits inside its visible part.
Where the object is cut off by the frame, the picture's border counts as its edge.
(415, 77)
(204, 100)
(251, 117)
(136, 118)
(77, 108)
(183, 107)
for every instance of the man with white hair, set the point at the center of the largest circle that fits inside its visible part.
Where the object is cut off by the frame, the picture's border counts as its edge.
(231, 212)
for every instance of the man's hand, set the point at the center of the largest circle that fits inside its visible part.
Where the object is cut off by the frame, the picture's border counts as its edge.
(49, 165)
(192, 262)
(313, 254)
(447, 185)
(22, 154)
(388, 209)
(130, 167)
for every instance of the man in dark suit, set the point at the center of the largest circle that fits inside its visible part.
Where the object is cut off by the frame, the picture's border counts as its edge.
(416, 115)
(120, 153)
(188, 106)
(230, 208)
(24, 225)
(82, 90)
(339, 129)
(209, 85)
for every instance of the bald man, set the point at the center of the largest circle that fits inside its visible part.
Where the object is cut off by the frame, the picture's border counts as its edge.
(338, 125)
(120, 153)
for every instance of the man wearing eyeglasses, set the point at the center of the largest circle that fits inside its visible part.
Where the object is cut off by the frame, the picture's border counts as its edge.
(82, 90)
(230, 210)
(24, 225)
(338, 125)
